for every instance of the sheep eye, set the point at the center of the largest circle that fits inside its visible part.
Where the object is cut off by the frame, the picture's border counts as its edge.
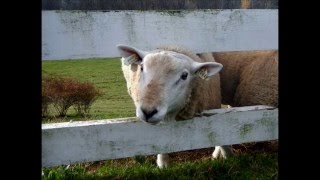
(141, 68)
(184, 75)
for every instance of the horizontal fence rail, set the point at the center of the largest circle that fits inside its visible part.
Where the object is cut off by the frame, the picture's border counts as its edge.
(85, 141)
(90, 34)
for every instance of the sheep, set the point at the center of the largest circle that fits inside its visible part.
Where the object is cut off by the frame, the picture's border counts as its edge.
(171, 83)
(249, 77)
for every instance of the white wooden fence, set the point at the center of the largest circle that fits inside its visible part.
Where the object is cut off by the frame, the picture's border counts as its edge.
(88, 34)
(85, 141)
(220, 30)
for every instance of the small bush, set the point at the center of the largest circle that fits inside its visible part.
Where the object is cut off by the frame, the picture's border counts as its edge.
(58, 91)
(86, 94)
(46, 97)
(65, 92)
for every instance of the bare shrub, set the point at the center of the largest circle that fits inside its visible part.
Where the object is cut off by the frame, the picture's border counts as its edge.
(86, 95)
(61, 92)
(46, 96)
(65, 92)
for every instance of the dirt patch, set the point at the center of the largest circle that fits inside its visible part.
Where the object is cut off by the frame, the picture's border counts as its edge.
(192, 155)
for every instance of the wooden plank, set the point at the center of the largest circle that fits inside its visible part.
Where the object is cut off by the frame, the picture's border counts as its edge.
(85, 141)
(89, 34)
(154, 4)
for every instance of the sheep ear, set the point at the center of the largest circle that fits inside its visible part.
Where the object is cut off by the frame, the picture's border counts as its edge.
(205, 70)
(131, 55)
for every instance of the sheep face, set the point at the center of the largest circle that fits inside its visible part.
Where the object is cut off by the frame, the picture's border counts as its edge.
(163, 81)
(163, 87)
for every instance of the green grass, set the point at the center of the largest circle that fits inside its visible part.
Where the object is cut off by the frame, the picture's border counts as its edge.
(106, 74)
(245, 166)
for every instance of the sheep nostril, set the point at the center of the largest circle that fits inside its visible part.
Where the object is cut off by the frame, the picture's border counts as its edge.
(148, 114)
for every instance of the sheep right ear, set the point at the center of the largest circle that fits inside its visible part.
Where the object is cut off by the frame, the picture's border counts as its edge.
(206, 69)
(131, 55)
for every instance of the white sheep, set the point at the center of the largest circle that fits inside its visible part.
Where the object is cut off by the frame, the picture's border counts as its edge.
(171, 83)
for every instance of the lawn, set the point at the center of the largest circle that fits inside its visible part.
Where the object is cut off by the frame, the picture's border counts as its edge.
(245, 166)
(116, 103)
(106, 74)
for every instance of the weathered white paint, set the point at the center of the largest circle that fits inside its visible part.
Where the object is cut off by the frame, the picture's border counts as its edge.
(85, 141)
(87, 34)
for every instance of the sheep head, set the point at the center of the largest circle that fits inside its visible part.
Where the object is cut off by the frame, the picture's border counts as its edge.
(160, 81)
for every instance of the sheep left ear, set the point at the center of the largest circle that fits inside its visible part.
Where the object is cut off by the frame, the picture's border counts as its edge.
(207, 69)
(131, 55)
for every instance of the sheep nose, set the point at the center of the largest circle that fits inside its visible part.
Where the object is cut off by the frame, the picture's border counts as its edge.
(149, 113)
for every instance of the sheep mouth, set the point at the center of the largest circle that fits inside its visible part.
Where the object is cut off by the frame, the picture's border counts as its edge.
(153, 123)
